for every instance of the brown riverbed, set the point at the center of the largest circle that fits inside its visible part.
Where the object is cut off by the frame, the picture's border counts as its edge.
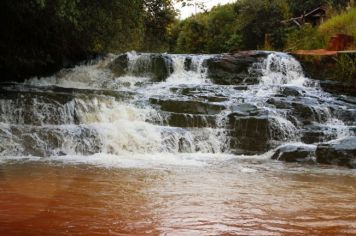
(230, 197)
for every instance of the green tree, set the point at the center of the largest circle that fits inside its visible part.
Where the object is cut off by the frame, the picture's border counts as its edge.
(192, 37)
(158, 18)
(258, 18)
(222, 30)
(41, 36)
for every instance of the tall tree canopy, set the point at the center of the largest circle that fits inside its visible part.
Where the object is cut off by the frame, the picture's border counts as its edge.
(40, 36)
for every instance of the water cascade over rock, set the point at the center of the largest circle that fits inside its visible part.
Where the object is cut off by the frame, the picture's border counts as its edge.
(246, 103)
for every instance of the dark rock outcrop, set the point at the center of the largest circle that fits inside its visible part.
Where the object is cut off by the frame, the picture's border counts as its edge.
(318, 133)
(188, 106)
(156, 66)
(339, 152)
(234, 69)
(119, 66)
(338, 88)
(293, 91)
(255, 134)
(303, 110)
(295, 153)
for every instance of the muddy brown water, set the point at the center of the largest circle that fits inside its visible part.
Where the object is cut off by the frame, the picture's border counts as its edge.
(232, 197)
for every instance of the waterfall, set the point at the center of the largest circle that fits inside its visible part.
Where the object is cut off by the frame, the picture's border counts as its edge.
(88, 109)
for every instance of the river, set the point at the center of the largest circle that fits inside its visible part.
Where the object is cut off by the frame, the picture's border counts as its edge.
(88, 152)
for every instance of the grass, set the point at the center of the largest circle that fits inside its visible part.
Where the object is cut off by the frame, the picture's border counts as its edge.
(344, 23)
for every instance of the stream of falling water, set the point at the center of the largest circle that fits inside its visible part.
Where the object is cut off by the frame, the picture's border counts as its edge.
(86, 152)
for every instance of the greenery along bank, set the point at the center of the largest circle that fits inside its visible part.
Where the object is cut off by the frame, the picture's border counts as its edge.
(257, 24)
(39, 37)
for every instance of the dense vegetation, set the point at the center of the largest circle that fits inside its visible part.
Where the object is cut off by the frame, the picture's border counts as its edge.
(256, 24)
(40, 36)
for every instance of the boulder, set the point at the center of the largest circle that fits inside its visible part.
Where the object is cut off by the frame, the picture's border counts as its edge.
(119, 66)
(300, 153)
(340, 152)
(234, 69)
(293, 91)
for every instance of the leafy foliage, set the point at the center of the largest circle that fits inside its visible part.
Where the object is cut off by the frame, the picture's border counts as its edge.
(231, 27)
(41, 36)
(158, 18)
(305, 38)
(256, 18)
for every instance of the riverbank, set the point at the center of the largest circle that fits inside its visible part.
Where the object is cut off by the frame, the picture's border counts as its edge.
(336, 66)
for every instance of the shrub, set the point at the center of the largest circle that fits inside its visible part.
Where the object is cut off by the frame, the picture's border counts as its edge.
(343, 23)
(305, 38)
(346, 67)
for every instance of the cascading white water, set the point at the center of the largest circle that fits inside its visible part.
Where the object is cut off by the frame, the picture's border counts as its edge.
(280, 68)
(97, 112)
(196, 73)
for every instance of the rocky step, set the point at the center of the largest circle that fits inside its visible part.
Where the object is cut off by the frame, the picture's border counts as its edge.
(188, 106)
(300, 153)
(340, 152)
(48, 141)
(203, 93)
(158, 67)
(258, 133)
(318, 133)
(235, 69)
(184, 120)
(302, 111)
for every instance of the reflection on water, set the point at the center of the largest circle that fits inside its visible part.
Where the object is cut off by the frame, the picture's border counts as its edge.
(232, 197)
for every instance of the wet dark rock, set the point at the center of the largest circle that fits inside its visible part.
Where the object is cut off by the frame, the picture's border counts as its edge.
(188, 106)
(156, 66)
(51, 141)
(317, 134)
(352, 130)
(338, 88)
(241, 87)
(348, 116)
(201, 93)
(293, 91)
(161, 67)
(339, 152)
(246, 109)
(295, 153)
(305, 110)
(120, 65)
(189, 120)
(256, 134)
(188, 64)
(35, 108)
(348, 99)
(234, 69)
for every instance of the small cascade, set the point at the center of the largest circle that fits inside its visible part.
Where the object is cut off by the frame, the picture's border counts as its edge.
(279, 69)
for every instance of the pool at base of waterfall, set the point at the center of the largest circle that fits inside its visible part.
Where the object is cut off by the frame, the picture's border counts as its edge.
(162, 144)
(232, 196)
